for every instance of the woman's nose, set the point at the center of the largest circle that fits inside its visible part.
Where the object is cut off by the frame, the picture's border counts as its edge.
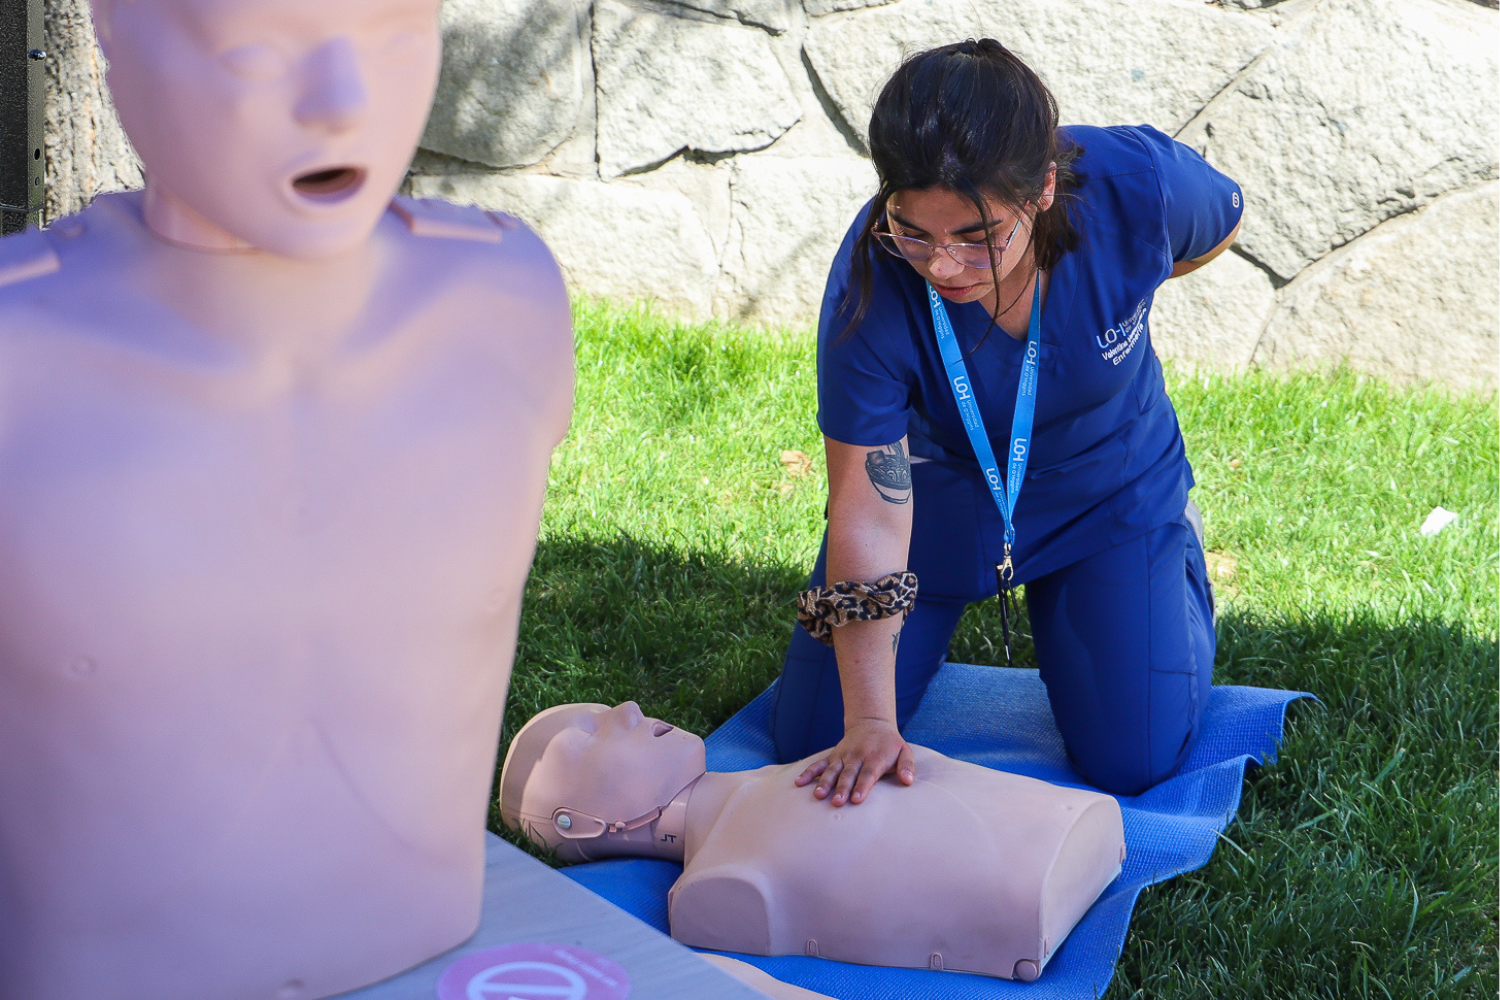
(943, 266)
(333, 98)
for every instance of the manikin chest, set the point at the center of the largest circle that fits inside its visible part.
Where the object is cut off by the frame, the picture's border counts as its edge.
(257, 618)
(264, 526)
(969, 869)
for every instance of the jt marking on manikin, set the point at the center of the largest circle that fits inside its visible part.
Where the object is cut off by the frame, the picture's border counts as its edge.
(890, 472)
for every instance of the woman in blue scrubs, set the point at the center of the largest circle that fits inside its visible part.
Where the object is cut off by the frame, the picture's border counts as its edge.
(987, 200)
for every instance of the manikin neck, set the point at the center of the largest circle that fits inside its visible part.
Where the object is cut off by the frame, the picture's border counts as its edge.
(175, 221)
(283, 315)
(669, 832)
(658, 833)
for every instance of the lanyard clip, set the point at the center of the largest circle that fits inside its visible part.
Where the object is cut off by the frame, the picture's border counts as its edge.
(1004, 572)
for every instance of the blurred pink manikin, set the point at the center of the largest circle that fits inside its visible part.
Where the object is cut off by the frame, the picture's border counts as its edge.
(969, 869)
(272, 457)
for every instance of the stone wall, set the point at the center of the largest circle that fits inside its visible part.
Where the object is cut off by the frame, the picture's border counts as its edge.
(707, 155)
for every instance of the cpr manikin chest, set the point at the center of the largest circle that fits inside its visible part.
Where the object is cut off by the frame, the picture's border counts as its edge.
(969, 869)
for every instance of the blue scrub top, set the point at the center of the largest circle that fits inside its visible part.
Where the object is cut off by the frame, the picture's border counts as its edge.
(1107, 461)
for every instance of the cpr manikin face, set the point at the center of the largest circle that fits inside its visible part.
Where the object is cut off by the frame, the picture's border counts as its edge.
(969, 869)
(284, 125)
(576, 775)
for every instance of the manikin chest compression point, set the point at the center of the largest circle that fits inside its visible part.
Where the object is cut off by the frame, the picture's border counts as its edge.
(969, 869)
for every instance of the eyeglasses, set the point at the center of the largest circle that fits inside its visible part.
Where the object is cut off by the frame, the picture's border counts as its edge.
(917, 251)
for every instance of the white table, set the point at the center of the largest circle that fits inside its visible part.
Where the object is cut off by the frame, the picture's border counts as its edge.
(524, 900)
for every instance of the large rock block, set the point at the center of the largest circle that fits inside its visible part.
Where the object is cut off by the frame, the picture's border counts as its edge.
(515, 77)
(773, 15)
(1108, 62)
(1212, 318)
(787, 218)
(1365, 110)
(86, 149)
(613, 240)
(668, 83)
(817, 8)
(1416, 299)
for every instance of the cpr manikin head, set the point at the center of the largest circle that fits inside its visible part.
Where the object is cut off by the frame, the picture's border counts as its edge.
(576, 775)
(279, 125)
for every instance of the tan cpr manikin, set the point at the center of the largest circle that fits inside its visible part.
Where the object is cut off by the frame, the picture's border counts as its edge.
(272, 457)
(969, 869)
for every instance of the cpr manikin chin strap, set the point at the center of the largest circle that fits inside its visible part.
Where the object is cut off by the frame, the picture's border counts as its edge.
(671, 819)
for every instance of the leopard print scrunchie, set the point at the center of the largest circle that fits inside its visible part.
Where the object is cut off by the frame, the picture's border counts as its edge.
(823, 609)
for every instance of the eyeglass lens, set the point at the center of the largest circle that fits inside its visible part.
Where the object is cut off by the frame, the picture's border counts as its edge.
(968, 254)
(918, 251)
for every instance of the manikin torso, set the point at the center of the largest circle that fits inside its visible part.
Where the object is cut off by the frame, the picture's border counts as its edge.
(968, 869)
(264, 526)
(272, 456)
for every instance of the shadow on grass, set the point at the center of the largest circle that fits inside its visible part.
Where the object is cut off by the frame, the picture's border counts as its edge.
(1364, 859)
(1366, 855)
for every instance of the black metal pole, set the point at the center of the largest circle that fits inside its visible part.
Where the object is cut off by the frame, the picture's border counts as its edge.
(22, 115)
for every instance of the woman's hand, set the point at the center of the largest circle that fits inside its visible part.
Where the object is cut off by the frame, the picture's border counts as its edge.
(870, 749)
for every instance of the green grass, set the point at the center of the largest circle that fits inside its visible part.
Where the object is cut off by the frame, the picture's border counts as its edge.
(1363, 863)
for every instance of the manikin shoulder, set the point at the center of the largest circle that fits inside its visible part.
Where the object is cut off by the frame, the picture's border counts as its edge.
(24, 257)
(476, 239)
(489, 258)
(494, 270)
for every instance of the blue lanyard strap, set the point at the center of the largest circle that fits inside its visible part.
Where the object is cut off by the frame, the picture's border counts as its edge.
(1007, 492)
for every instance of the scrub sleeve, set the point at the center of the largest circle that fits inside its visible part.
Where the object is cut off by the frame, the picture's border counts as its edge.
(1116, 587)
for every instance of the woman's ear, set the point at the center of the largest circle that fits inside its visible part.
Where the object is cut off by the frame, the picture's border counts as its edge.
(1049, 193)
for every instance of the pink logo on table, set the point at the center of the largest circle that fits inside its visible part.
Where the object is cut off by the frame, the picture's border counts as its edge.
(534, 971)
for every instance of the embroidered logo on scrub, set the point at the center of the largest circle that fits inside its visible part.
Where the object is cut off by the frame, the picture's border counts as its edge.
(1116, 343)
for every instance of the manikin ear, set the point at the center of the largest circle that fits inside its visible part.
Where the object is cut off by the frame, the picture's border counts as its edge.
(1049, 193)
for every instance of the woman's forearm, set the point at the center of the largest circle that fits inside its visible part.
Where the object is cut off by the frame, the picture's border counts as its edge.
(869, 531)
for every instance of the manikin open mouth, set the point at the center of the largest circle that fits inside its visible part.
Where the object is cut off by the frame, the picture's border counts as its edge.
(333, 184)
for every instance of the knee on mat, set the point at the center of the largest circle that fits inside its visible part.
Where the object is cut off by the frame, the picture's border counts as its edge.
(1121, 772)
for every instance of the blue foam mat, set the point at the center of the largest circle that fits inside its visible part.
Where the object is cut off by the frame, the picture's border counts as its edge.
(1000, 718)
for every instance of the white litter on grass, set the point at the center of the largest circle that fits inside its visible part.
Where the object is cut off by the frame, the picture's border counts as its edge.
(1437, 521)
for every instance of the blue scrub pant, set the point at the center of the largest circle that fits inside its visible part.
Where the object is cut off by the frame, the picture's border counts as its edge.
(1124, 639)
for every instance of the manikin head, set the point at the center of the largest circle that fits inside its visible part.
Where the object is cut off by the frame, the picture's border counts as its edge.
(575, 771)
(281, 125)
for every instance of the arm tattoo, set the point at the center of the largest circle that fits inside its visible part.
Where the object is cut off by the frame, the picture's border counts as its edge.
(895, 642)
(890, 472)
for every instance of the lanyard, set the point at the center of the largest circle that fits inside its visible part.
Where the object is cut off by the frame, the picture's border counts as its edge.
(1005, 493)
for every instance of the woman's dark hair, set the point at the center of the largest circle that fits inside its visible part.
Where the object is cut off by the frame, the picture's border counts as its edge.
(972, 118)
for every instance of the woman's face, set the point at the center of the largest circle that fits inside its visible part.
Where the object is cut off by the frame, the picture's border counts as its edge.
(941, 216)
(286, 123)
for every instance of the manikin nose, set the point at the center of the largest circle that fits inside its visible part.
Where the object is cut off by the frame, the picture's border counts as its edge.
(333, 97)
(625, 716)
